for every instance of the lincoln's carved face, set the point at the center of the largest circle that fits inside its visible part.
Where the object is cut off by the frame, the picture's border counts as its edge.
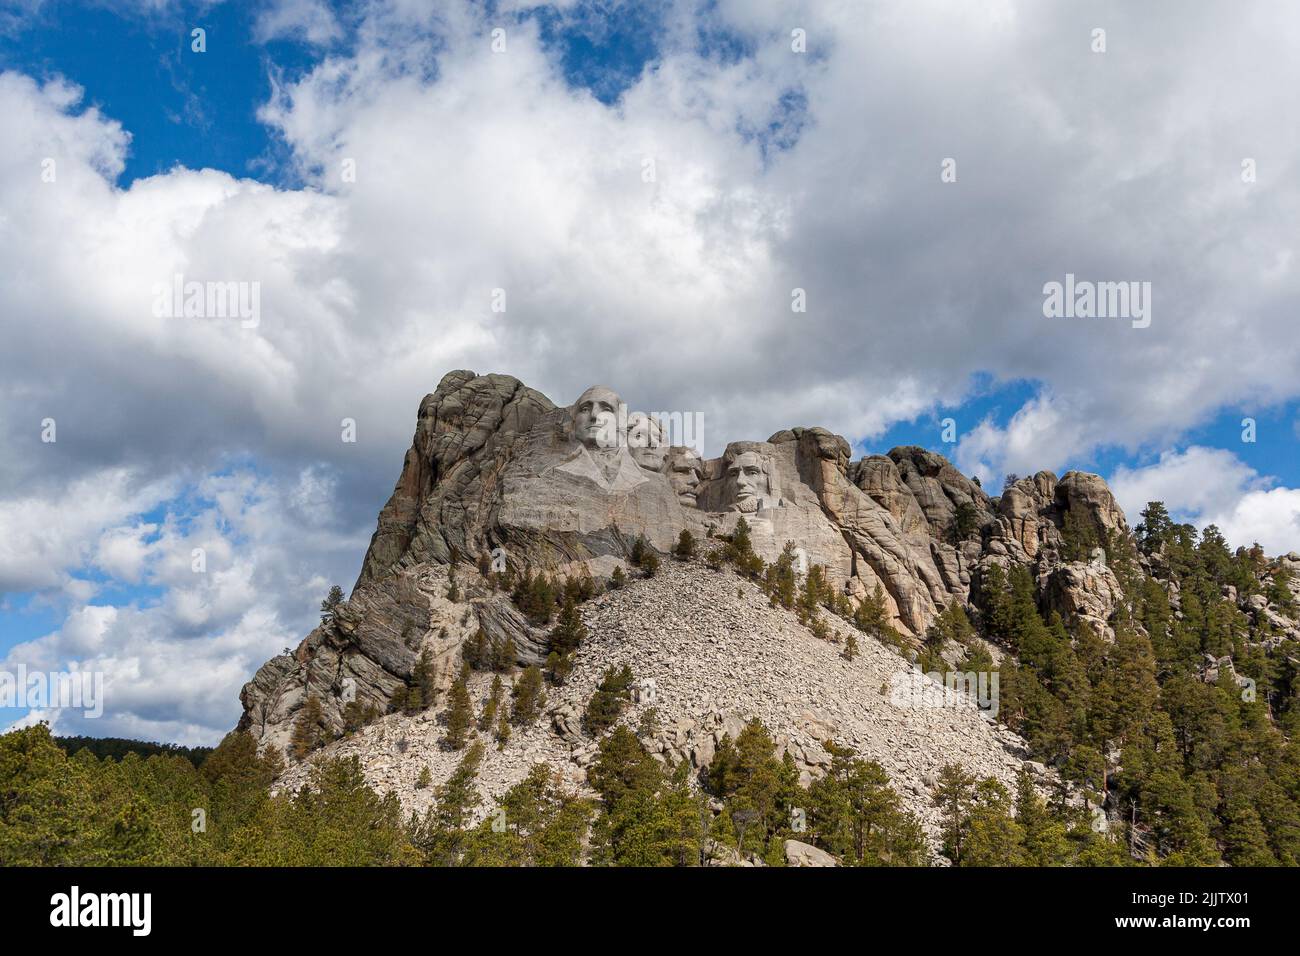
(684, 469)
(748, 477)
(595, 417)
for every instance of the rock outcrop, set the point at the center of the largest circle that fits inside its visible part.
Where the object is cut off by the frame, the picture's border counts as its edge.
(499, 477)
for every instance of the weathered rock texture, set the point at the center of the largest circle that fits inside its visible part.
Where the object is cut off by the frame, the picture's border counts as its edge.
(717, 655)
(498, 473)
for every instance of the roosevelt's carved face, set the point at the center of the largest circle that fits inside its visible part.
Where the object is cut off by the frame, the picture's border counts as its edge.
(595, 417)
(684, 469)
(747, 479)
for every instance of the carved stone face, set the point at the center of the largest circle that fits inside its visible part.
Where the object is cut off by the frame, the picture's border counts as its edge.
(684, 470)
(595, 417)
(749, 481)
(645, 441)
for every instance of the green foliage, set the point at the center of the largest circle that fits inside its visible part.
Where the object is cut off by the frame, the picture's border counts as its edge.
(871, 616)
(440, 834)
(611, 696)
(1155, 528)
(83, 811)
(331, 602)
(1079, 535)
(757, 790)
(117, 747)
(965, 522)
(779, 579)
(1195, 764)
(650, 564)
(535, 596)
(492, 706)
(685, 549)
(425, 678)
(477, 652)
(648, 817)
(503, 655)
(537, 823)
(308, 728)
(739, 550)
(855, 815)
(460, 715)
(569, 631)
(527, 697)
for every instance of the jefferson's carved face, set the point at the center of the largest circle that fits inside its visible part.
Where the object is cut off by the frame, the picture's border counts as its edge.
(595, 417)
(748, 481)
(684, 469)
(645, 441)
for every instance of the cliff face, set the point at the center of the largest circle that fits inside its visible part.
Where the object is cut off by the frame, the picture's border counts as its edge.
(499, 474)
(495, 464)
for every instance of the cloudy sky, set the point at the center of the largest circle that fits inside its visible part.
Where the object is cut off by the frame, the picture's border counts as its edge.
(649, 183)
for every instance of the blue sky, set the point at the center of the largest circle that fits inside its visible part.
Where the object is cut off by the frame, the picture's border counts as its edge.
(525, 168)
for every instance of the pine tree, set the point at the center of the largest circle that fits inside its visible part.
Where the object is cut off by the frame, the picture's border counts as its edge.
(994, 838)
(308, 728)
(608, 701)
(331, 602)
(965, 522)
(492, 705)
(569, 631)
(1044, 837)
(1155, 528)
(440, 834)
(856, 816)
(425, 677)
(650, 564)
(558, 667)
(460, 715)
(476, 651)
(954, 795)
(528, 698)
(503, 655)
(502, 732)
(685, 549)
(871, 617)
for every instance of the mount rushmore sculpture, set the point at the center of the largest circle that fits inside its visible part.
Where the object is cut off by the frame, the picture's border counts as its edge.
(495, 468)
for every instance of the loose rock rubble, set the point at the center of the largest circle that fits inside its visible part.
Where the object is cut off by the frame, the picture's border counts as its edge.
(718, 655)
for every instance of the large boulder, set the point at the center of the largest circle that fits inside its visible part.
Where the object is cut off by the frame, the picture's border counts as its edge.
(798, 853)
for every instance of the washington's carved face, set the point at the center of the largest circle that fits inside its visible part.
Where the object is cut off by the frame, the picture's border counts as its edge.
(595, 417)
(684, 470)
(748, 480)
